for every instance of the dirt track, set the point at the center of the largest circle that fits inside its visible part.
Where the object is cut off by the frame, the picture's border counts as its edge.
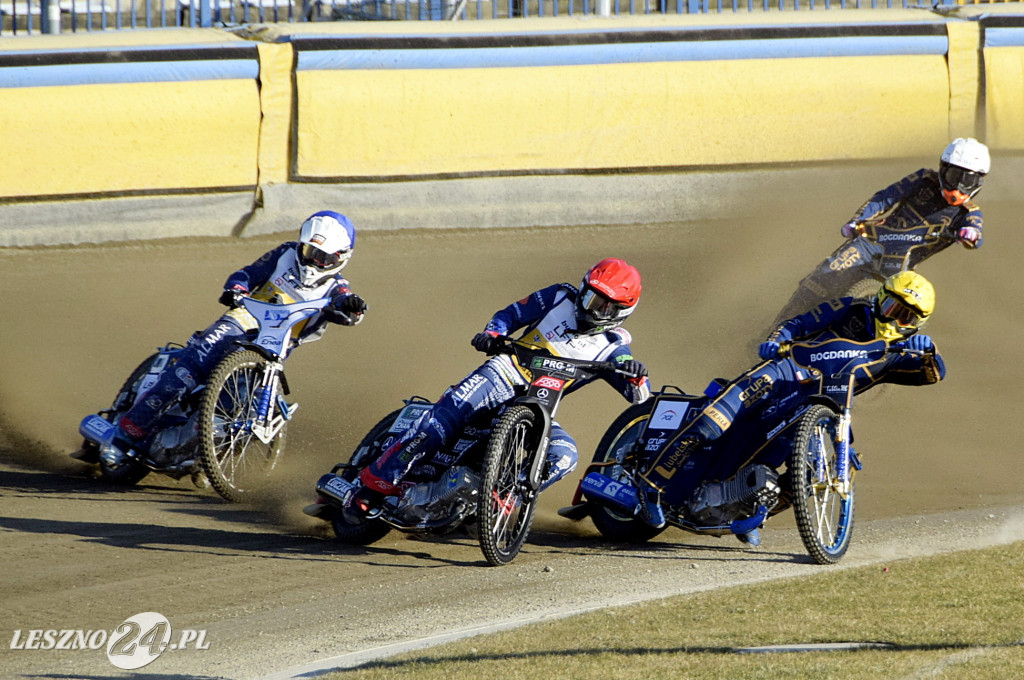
(266, 583)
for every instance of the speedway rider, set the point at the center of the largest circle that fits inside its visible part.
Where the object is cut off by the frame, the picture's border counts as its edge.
(902, 305)
(921, 215)
(581, 324)
(307, 269)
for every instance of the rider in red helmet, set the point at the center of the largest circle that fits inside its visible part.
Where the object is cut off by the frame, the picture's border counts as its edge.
(579, 323)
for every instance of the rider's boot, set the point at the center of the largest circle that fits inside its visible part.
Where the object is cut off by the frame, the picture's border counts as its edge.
(368, 497)
(751, 538)
(649, 510)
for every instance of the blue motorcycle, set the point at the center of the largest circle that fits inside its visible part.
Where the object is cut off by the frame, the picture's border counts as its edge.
(795, 451)
(228, 432)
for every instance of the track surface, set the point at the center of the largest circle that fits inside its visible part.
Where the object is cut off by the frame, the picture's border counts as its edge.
(274, 592)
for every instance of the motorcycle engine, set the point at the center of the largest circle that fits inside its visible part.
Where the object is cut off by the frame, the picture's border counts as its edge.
(173, 447)
(719, 503)
(430, 502)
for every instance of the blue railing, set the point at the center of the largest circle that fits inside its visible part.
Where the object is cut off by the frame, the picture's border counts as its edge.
(59, 16)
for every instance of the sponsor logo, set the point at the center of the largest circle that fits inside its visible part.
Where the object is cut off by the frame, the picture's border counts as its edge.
(775, 430)
(655, 443)
(137, 642)
(549, 383)
(757, 389)
(845, 259)
(718, 417)
(554, 365)
(467, 388)
(317, 239)
(668, 415)
(839, 354)
(914, 238)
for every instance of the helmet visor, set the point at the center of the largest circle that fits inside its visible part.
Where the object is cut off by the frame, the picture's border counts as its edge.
(962, 179)
(601, 308)
(895, 311)
(311, 256)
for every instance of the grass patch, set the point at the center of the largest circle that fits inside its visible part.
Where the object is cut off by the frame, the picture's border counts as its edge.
(951, 616)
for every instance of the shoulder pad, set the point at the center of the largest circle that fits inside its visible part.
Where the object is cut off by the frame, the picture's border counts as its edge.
(620, 335)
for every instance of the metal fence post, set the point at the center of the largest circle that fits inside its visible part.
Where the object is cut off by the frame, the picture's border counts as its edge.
(603, 8)
(49, 16)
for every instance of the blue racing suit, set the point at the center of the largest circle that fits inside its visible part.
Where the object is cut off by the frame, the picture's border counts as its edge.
(772, 381)
(274, 276)
(549, 316)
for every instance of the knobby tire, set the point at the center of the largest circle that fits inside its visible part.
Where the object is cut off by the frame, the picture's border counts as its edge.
(506, 507)
(368, 450)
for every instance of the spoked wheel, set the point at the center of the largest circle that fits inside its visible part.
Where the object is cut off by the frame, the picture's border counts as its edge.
(824, 516)
(506, 507)
(237, 462)
(617, 451)
(372, 445)
(132, 471)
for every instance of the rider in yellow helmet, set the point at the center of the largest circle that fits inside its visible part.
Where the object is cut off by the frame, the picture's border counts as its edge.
(902, 305)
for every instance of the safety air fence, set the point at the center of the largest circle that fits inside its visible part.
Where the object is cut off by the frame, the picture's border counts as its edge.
(147, 134)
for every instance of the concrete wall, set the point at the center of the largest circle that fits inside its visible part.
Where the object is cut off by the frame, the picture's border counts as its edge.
(156, 133)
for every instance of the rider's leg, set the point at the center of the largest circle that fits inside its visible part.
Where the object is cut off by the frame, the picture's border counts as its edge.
(484, 388)
(562, 456)
(193, 366)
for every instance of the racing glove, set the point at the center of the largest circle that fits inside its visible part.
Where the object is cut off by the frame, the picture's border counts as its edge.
(352, 304)
(232, 297)
(969, 237)
(635, 368)
(850, 229)
(916, 343)
(769, 349)
(487, 342)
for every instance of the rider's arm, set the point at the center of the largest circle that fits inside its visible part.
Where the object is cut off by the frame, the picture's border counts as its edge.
(910, 369)
(968, 221)
(526, 311)
(256, 274)
(885, 199)
(636, 390)
(822, 317)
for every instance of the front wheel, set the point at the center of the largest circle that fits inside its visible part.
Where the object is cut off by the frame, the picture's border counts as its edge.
(372, 445)
(616, 456)
(864, 289)
(506, 506)
(236, 460)
(824, 516)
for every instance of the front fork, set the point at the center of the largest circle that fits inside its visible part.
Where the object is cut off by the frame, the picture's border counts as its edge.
(844, 453)
(265, 425)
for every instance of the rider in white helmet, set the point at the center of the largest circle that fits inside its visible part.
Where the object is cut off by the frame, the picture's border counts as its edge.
(307, 269)
(930, 198)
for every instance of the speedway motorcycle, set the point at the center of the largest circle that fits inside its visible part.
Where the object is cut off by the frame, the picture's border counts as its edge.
(858, 267)
(795, 452)
(228, 433)
(501, 460)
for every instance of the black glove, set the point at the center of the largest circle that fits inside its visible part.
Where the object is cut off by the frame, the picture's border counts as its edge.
(635, 368)
(232, 297)
(352, 304)
(487, 343)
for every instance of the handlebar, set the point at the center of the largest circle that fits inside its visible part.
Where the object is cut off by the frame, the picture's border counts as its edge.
(508, 345)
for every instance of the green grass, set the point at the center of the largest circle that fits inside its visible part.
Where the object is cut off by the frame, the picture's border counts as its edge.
(951, 616)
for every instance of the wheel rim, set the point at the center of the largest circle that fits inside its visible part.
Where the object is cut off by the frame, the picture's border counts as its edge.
(511, 504)
(621, 446)
(243, 459)
(831, 510)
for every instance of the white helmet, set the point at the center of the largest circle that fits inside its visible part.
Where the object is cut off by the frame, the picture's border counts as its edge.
(962, 169)
(326, 241)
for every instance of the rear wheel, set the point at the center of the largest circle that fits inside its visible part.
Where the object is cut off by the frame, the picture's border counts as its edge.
(369, 449)
(236, 461)
(865, 289)
(617, 455)
(132, 471)
(506, 506)
(824, 516)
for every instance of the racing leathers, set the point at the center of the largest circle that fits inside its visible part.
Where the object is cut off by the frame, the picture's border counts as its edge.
(896, 229)
(549, 316)
(273, 277)
(769, 382)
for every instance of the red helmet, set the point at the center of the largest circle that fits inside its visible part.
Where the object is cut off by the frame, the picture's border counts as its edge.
(610, 291)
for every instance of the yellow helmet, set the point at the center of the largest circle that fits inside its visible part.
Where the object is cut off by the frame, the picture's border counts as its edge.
(903, 304)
